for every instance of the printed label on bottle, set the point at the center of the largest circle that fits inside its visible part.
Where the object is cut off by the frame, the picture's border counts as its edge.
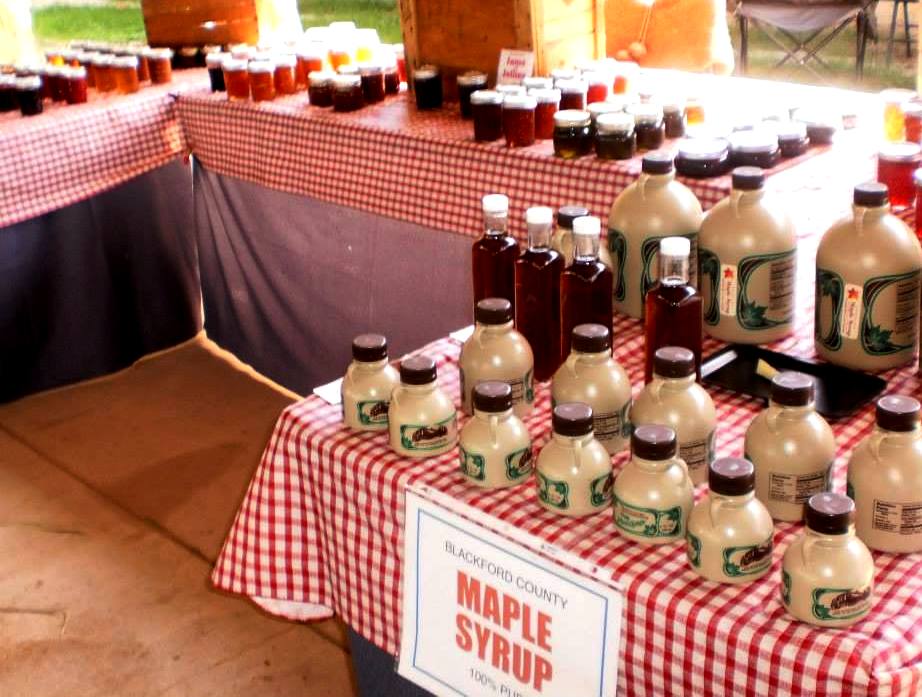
(698, 454)
(841, 603)
(797, 488)
(785, 587)
(617, 248)
(693, 550)
(552, 492)
(424, 437)
(748, 560)
(885, 331)
(473, 465)
(649, 260)
(830, 299)
(519, 464)
(899, 518)
(759, 291)
(648, 522)
(600, 490)
(372, 412)
(523, 389)
(850, 322)
(612, 424)
(729, 289)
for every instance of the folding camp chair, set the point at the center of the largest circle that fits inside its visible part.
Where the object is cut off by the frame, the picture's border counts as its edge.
(803, 28)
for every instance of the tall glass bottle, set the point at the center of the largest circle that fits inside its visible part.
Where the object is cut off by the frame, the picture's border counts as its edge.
(537, 293)
(493, 255)
(585, 286)
(672, 306)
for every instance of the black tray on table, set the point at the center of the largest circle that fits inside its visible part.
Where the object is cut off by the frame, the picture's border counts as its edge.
(839, 391)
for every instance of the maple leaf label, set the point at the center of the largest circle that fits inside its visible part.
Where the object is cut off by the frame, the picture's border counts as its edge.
(850, 320)
(729, 289)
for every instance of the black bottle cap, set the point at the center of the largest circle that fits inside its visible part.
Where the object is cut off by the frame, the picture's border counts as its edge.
(731, 476)
(654, 442)
(658, 162)
(748, 178)
(793, 389)
(368, 348)
(572, 419)
(829, 513)
(897, 412)
(417, 370)
(673, 362)
(591, 338)
(871, 195)
(492, 396)
(567, 214)
(493, 311)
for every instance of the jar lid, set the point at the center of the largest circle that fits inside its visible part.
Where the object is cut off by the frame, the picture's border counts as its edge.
(748, 178)
(211, 48)
(899, 152)
(567, 214)
(492, 396)
(159, 53)
(493, 311)
(871, 195)
(587, 225)
(645, 113)
(425, 72)
(243, 51)
(233, 65)
(615, 122)
(591, 338)
(34, 82)
(471, 78)
(703, 148)
(563, 74)
(126, 62)
(77, 73)
(753, 142)
(86, 56)
(261, 66)
(341, 82)
(368, 348)
(793, 389)
(912, 109)
(657, 162)
(216, 60)
(495, 204)
(284, 60)
(545, 95)
(572, 419)
(417, 370)
(673, 362)
(898, 413)
(731, 476)
(594, 77)
(829, 513)
(104, 60)
(348, 69)
(572, 86)
(7, 81)
(519, 101)
(486, 97)
(569, 118)
(790, 130)
(510, 89)
(539, 215)
(312, 52)
(538, 83)
(653, 442)
(596, 109)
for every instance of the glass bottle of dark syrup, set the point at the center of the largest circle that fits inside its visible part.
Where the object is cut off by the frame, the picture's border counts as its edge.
(493, 255)
(586, 284)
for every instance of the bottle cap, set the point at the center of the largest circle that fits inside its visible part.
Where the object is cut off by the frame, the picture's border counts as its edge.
(830, 514)
(417, 370)
(159, 53)
(793, 389)
(595, 77)
(591, 338)
(572, 419)
(492, 396)
(657, 162)
(748, 178)
(675, 247)
(791, 130)
(493, 311)
(897, 413)
(233, 65)
(567, 214)
(472, 78)
(673, 362)
(368, 348)
(486, 97)
(653, 442)
(539, 215)
(563, 74)
(126, 62)
(731, 476)
(33, 82)
(871, 195)
(588, 225)
(570, 118)
(340, 82)
(495, 204)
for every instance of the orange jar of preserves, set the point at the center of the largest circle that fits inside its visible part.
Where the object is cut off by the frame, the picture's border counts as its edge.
(104, 68)
(125, 69)
(285, 79)
(160, 65)
(262, 80)
(236, 79)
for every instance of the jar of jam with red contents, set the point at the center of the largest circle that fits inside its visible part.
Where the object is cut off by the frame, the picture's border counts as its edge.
(487, 111)
(262, 80)
(401, 59)
(792, 138)
(755, 148)
(310, 60)
(648, 125)
(427, 86)
(626, 74)
(703, 158)
(86, 61)
(284, 74)
(537, 83)
(519, 120)
(236, 79)
(896, 165)
(7, 93)
(614, 136)
(912, 121)
(391, 80)
(56, 76)
(320, 88)
(572, 94)
(572, 135)
(599, 108)
(143, 69)
(468, 83)
(104, 66)
(372, 77)
(125, 69)
(160, 65)
(548, 100)
(29, 95)
(674, 118)
(188, 57)
(597, 87)
(76, 85)
(215, 64)
(347, 93)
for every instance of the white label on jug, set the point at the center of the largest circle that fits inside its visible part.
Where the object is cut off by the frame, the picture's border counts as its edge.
(428, 436)
(612, 424)
(748, 559)
(841, 603)
(519, 464)
(698, 454)
(899, 518)
(850, 322)
(372, 412)
(797, 488)
(648, 522)
(729, 287)
(523, 389)
(473, 465)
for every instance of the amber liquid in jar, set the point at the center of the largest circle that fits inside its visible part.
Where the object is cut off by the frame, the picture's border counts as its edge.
(161, 68)
(126, 79)
(519, 121)
(284, 79)
(262, 84)
(597, 92)
(585, 297)
(105, 77)
(912, 122)
(694, 113)
(143, 68)
(236, 80)
(338, 58)
(77, 87)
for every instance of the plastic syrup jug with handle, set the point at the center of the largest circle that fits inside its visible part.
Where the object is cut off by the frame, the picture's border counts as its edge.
(422, 419)
(368, 384)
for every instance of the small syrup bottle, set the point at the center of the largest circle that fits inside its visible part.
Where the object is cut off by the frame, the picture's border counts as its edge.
(537, 292)
(672, 306)
(493, 256)
(586, 284)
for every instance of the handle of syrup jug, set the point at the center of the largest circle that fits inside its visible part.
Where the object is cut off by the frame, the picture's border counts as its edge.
(494, 429)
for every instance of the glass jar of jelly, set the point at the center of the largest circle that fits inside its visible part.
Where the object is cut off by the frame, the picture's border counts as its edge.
(105, 73)
(427, 86)
(896, 164)
(468, 83)
(310, 59)
(284, 75)
(29, 95)
(596, 87)
(792, 139)
(702, 158)
(755, 148)
(519, 120)
(188, 57)
(320, 88)
(694, 111)
(572, 134)
(510, 89)
(261, 74)
(614, 137)
(648, 125)
(537, 83)
(126, 74)
(236, 79)
(56, 79)
(401, 59)
(85, 59)
(391, 80)
(893, 101)
(674, 118)
(347, 93)
(76, 85)
(143, 69)
(548, 100)
(572, 94)
(912, 121)
(487, 110)
(372, 77)
(558, 74)
(160, 65)
(821, 127)
(596, 109)
(917, 180)
(214, 63)
(7, 93)
(626, 74)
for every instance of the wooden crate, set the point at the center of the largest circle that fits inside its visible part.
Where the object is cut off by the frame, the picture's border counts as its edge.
(459, 35)
(200, 22)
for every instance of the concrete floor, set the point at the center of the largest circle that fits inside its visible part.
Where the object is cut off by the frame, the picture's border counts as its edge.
(114, 499)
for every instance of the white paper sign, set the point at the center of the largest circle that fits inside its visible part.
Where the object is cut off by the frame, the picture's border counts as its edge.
(514, 66)
(487, 611)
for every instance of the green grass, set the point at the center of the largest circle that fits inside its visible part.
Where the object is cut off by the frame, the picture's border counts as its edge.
(59, 23)
(377, 14)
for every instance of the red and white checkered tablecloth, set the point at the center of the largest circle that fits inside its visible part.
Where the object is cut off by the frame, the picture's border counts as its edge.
(70, 153)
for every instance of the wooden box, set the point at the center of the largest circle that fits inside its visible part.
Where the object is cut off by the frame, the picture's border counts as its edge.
(200, 22)
(458, 35)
